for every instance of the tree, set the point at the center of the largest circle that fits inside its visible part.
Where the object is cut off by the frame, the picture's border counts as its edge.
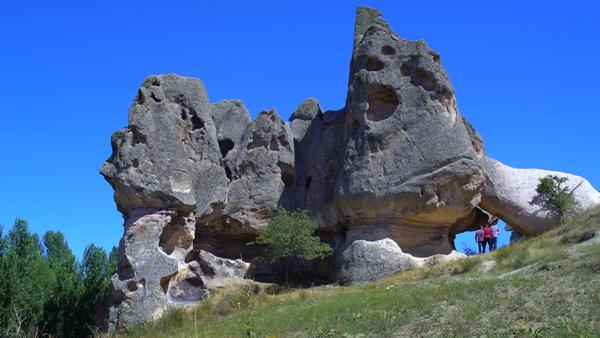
(44, 290)
(60, 317)
(559, 197)
(97, 269)
(291, 234)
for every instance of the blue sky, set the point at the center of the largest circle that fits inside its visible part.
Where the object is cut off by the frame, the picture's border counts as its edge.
(525, 75)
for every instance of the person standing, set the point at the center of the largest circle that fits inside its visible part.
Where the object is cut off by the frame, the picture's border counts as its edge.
(487, 237)
(479, 239)
(495, 234)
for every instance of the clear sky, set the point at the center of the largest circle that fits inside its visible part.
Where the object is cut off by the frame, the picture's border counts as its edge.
(526, 76)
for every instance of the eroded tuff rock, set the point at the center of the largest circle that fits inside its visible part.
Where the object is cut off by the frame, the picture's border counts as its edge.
(391, 178)
(363, 261)
(409, 169)
(510, 194)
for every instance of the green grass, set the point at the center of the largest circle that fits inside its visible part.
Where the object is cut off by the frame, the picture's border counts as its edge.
(546, 286)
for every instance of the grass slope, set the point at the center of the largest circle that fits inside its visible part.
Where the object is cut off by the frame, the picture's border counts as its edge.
(547, 286)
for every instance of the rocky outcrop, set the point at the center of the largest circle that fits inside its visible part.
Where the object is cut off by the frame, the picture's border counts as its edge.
(511, 195)
(391, 178)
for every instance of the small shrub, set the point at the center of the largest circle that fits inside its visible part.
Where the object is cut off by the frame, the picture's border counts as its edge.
(552, 192)
(465, 265)
(290, 234)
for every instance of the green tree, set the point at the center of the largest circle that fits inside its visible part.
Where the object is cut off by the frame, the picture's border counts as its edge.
(290, 234)
(25, 277)
(44, 290)
(97, 268)
(60, 317)
(553, 192)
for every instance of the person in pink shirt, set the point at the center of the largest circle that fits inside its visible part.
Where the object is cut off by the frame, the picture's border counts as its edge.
(479, 238)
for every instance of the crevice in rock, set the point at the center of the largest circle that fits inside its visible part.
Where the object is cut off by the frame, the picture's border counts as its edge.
(374, 64)
(287, 174)
(255, 142)
(154, 97)
(228, 172)
(140, 98)
(225, 145)
(307, 182)
(382, 103)
(183, 114)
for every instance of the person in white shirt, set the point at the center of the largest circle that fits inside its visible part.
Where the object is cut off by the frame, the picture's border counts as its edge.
(495, 234)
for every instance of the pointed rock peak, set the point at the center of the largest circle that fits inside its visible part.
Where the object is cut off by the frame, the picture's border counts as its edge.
(366, 18)
(307, 110)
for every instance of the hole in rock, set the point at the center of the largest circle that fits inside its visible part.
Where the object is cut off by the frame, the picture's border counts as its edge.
(135, 163)
(137, 136)
(419, 76)
(274, 145)
(197, 122)
(287, 174)
(175, 235)
(186, 289)
(374, 64)
(225, 145)
(183, 114)
(307, 182)
(164, 283)
(435, 56)
(382, 103)
(388, 50)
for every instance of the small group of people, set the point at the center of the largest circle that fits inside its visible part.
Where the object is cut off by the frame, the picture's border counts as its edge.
(487, 235)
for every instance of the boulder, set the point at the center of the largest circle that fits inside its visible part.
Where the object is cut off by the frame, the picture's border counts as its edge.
(364, 261)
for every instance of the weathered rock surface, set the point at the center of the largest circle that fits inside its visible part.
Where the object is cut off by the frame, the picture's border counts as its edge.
(364, 261)
(511, 195)
(409, 169)
(391, 178)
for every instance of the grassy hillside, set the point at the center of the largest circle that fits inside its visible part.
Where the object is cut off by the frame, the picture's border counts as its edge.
(547, 286)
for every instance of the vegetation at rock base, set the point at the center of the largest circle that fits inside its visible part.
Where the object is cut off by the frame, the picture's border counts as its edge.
(544, 286)
(44, 291)
(290, 234)
(553, 192)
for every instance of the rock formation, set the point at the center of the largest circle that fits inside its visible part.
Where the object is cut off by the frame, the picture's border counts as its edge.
(391, 178)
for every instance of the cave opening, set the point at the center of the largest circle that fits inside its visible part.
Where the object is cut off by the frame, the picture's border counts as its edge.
(225, 145)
